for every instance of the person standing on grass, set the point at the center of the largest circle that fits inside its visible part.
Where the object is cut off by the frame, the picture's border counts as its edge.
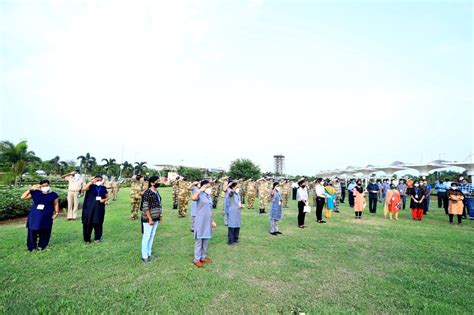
(393, 202)
(417, 201)
(73, 190)
(427, 189)
(234, 209)
(275, 209)
(455, 203)
(320, 195)
(440, 188)
(337, 189)
(373, 190)
(93, 209)
(350, 190)
(194, 188)
(44, 210)
(330, 192)
(203, 223)
(359, 200)
(466, 188)
(402, 189)
(302, 197)
(151, 216)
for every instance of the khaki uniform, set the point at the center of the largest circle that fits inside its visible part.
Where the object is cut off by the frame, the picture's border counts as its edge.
(183, 197)
(108, 186)
(136, 197)
(115, 189)
(73, 197)
(251, 193)
(337, 188)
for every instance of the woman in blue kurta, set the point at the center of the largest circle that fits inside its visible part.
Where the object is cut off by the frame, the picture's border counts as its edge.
(234, 208)
(93, 210)
(275, 210)
(44, 210)
(203, 223)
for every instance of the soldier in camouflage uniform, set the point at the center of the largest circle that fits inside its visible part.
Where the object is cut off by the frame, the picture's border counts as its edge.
(216, 190)
(251, 193)
(285, 192)
(115, 189)
(135, 195)
(337, 188)
(243, 190)
(183, 197)
(263, 194)
(174, 185)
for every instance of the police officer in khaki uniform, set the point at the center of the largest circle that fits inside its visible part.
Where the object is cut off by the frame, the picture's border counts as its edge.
(183, 197)
(251, 193)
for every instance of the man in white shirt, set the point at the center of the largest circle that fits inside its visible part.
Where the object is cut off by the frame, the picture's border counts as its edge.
(75, 185)
(320, 199)
(302, 197)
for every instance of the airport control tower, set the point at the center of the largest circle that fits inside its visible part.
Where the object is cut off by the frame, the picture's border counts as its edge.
(279, 164)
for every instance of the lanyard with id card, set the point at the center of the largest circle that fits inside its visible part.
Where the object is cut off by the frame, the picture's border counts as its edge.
(98, 198)
(40, 207)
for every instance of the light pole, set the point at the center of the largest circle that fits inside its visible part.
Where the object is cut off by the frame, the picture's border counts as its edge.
(121, 169)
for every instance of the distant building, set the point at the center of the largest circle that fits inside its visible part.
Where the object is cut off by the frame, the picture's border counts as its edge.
(279, 164)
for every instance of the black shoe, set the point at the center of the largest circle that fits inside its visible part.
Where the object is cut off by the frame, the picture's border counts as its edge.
(278, 232)
(274, 233)
(321, 221)
(146, 261)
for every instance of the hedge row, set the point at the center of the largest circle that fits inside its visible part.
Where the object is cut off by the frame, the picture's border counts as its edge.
(11, 206)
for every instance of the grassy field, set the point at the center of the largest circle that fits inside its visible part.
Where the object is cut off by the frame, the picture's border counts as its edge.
(345, 266)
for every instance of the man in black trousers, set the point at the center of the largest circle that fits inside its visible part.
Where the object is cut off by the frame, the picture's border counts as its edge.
(373, 190)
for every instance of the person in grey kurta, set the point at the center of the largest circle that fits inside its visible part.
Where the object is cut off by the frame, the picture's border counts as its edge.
(203, 223)
(226, 190)
(233, 209)
(194, 188)
(275, 210)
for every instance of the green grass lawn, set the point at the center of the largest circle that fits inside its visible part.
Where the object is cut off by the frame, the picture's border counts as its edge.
(345, 266)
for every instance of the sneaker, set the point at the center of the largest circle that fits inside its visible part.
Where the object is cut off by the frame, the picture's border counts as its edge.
(206, 260)
(147, 260)
(321, 221)
(198, 264)
(98, 241)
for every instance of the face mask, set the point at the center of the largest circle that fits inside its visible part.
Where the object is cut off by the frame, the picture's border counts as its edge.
(77, 176)
(45, 189)
(208, 191)
(99, 183)
(416, 185)
(454, 187)
(156, 185)
(237, 190)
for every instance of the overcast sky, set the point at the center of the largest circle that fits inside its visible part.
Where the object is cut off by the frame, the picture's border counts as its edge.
(326, 83)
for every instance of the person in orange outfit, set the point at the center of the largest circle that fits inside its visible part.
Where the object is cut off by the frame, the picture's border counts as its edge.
(393, 202)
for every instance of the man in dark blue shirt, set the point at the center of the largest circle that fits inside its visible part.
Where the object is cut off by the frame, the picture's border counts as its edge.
(441, 192)
(373, 190)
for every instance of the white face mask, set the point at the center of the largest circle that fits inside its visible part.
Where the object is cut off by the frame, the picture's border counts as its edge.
(208, 191)
(99, 183)
(454, 187)
(416, 185)
(237, 190)
(45, 189)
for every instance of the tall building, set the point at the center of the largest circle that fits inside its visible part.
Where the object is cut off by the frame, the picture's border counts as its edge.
(279, 164)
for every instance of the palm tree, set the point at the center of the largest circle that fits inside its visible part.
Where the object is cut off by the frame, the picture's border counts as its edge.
(17, 157)
(109, 165)
(140, 167)
(127, 169)
(56, 164)
(87, 162)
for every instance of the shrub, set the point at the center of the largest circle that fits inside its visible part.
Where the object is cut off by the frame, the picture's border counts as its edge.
(11, 206)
